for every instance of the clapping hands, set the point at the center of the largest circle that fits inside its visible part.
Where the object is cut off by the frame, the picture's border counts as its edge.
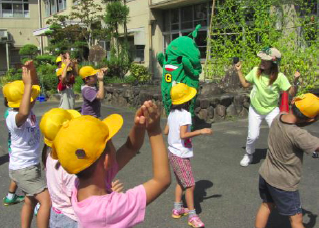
(148, 116)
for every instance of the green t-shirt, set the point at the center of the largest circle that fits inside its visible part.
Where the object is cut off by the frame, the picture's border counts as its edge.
(264, 97)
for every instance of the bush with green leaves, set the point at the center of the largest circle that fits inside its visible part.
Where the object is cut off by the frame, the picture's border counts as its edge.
(242, 28)
(29, 50)
(10, 76)
(140, 73)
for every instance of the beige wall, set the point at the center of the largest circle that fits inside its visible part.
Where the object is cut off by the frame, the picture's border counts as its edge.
(21, 28)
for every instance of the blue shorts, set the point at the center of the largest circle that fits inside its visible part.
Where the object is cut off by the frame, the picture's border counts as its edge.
(287, 203)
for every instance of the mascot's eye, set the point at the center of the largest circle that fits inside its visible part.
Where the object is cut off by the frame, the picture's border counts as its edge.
(166, 57)
(179, 59)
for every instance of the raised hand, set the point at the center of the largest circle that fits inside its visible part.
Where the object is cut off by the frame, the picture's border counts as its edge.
(100, 75)
(297, 75)
(152, 116)
(139, 119)
(238, 66)
(26, 75)
(117, 186)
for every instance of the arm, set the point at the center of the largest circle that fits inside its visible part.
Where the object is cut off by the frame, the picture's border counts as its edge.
(100, 93)
(134, 141)
(294, 88)
(184, 134)
(166, 130)
(25, 105)
(65, 70)
(242, 79)
(161, 172)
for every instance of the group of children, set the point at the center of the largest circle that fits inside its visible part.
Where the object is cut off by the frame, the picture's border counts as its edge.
(81, 161)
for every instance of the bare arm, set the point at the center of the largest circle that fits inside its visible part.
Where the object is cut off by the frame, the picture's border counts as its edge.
(242, 79)
(100, 93)
(65, 71)
(25, 105)
(166, 130)
(161, 172)
(134, 141)
(184, 134)
(294, 88)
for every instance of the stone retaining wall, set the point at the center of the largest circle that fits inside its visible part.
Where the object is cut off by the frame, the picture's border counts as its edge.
(209, 108)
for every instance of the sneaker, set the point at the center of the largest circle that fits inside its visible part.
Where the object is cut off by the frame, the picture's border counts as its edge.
(247, 159)
(16, 199)
(195, 222)
(179, 213)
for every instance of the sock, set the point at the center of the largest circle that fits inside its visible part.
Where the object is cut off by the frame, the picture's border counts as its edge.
(191, 213)
(10, 196)
(178, 206)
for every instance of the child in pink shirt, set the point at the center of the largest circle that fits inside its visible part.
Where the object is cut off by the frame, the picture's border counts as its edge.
(84, 147)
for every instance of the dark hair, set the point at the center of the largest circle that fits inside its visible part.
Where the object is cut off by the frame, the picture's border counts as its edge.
(184, 106)
(297, 113)
(5, 102)
(88, 172)
(45, 153)
(274, 70)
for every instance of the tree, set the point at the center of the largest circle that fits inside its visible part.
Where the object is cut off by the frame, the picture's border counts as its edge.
(87, 12)
(29, 50)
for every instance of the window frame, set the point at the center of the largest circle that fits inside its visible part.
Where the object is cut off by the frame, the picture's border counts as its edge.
(24, 13)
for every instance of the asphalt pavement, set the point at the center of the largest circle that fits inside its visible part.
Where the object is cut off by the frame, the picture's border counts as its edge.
(226, 193)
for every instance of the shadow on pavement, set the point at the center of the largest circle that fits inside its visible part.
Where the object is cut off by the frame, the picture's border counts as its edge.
(200, 194)
(199, 123)
(260, 154)
(4, 159)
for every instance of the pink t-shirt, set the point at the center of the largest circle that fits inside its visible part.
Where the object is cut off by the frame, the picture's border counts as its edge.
(60, 186)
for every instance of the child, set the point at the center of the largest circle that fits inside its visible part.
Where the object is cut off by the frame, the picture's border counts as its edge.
(24, 165)
(12, 197)
(66, 75)
(280, 173)
(181, 150)
(84, 147)
(91, 95)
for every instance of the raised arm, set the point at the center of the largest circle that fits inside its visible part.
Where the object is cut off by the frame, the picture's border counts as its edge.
(161, 172)
(134, 141)
(25, 105)
(294, 88)
(242, 79)
(100, 93)
(65, 70)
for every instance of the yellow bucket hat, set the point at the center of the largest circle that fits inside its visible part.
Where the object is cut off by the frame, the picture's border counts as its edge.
(87, 71)
(58, 59)
(181, 93)
(308, 104)
(52, 121)
(81, 141)
(13, 92)
(60, 70)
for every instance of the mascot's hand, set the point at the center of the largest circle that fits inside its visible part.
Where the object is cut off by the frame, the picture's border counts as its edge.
(160, 58)
(189, 69)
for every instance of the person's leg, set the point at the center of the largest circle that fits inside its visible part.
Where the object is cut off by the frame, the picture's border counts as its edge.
(189, 196)
(263, 214)
(11, 198)
(296, 221)
(13, 187)
(43, 216)
(27, 211)
(178, 193)
(254, 121)
(271, 116)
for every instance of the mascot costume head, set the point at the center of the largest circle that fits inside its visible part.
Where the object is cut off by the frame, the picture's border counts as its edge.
(181, 64)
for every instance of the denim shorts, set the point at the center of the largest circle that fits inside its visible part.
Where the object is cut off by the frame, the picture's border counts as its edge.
(59, 220)
(287, 202)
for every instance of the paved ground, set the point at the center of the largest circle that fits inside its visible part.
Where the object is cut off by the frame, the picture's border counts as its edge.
(227, 194)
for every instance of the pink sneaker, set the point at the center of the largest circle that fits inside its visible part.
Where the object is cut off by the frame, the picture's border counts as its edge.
(195, 222)
(179, 213)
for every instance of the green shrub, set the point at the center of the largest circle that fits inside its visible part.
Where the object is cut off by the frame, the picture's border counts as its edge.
(11, 75)
(29, 50)
(45, 59)
(140, 73)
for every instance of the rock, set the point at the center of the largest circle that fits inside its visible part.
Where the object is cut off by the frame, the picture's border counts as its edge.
(197, 109)
(203, 114)
(209, 89)
(144, 96)
(122, 102)
(246, 104)
(210, 111)
(128, 93)
(220, 110)
(243, 113)
(231, 110)
(226, 100)
(238, 102)
(214, 101)
(204, 103)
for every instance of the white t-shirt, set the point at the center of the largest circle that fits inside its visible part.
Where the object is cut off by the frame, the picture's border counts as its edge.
(25, 141)
(176, 145)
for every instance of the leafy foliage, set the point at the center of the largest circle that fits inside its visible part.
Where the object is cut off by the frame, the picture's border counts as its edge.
(140, 73)
(29, 50)
(242, 28)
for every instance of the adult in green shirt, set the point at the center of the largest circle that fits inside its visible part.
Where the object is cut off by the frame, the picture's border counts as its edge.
(267, 84)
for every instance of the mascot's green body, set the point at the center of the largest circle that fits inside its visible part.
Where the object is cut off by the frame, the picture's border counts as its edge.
(181, 63)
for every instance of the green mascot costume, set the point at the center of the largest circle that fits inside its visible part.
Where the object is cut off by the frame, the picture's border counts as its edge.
(181, 63)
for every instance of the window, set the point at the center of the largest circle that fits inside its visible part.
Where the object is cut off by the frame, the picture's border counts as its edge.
(14, 8)
(54, 6)
(182, 21)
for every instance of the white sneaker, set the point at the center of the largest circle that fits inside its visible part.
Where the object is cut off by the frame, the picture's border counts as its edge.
(247, 159)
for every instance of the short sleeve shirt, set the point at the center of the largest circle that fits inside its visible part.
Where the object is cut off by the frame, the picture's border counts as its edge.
(25, 141)
(91, 105)
(114, 210)
(283, 164)
(180, 147)
(264, 97)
